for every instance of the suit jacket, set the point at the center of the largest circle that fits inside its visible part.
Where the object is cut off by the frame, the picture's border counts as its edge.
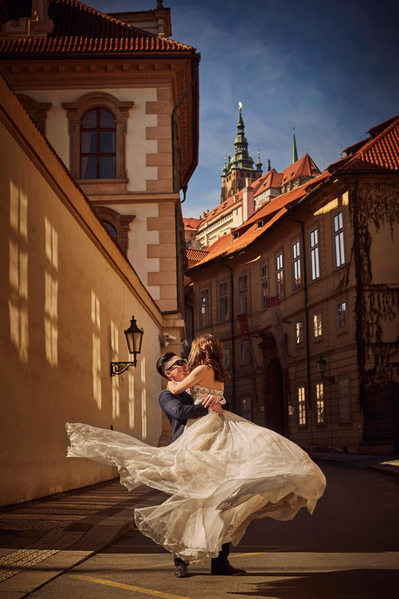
(179, 408)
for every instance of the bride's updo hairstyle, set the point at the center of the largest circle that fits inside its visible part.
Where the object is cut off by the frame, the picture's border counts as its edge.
(208, 350)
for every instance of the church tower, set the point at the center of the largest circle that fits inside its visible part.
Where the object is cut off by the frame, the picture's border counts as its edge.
(240, 167)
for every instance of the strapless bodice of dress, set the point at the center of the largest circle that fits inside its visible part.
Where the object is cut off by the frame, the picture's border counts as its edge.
(198, 393)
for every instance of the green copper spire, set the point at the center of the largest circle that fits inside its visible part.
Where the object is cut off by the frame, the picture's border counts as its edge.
(258, 163)
(241, 158)
(225, 170)
(294, 150)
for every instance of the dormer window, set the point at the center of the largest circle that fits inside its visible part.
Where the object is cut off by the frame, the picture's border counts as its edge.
(260, 223)
(236, 235)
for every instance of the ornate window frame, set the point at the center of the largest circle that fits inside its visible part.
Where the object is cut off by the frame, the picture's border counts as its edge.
(120, 222)
(37, 110)
(75, 112)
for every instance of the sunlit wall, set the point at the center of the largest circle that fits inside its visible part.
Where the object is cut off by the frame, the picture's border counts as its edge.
(66, 297)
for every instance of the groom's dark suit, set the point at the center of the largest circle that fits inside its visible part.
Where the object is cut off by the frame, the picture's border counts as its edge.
(178, 409)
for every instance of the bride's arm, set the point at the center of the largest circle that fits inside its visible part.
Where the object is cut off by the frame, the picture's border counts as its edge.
(195, 377)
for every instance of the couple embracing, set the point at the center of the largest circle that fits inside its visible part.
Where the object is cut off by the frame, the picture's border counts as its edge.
(220, 471)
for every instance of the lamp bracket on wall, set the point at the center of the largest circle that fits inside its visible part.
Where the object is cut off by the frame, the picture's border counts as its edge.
(121, 367)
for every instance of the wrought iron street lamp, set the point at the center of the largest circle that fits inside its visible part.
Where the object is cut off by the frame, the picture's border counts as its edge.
(322, 364)
(134, 339)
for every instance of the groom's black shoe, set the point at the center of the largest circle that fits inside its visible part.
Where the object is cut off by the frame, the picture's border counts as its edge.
(181, 571)
(227, 570)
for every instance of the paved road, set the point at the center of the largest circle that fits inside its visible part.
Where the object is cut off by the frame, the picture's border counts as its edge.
(349, 549)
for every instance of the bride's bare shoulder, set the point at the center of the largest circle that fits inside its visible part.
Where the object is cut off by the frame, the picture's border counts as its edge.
(202, 369)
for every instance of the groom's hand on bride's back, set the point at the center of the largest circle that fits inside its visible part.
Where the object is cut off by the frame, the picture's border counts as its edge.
(211, 400)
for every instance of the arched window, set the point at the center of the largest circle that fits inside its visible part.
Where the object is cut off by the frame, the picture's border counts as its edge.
(97, 129)
(111, 229)
(117, 225)
(97, 145)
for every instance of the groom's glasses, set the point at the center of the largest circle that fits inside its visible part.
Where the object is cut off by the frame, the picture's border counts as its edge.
(180, 362)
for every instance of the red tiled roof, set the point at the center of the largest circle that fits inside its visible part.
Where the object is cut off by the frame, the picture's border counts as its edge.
(259, 222)
(196, 255)
(191, 223)
(271, 179)
(80, 29)
(227, 206)
(304, 167)
(380, 153)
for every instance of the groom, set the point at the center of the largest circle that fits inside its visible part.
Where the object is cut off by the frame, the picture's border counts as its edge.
(178, 409)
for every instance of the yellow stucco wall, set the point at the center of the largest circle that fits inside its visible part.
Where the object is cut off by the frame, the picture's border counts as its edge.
(67, 294)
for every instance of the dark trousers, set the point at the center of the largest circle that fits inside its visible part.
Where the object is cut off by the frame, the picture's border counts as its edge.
(218, 561)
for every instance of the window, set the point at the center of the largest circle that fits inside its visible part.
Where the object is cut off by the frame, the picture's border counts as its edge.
(279, 275)
(226, 357)
(97, 145)
(243, 294)
(320, 407)
(314, 254)
(204, 308)
(265, 284)
(246, 408)
(317, 328)
(111, 229)
(339, 240)
(117, 225)
(245, 353)
(299, 332)
(344, 399)
(341, 315)
(223, 302)
(301, 406)
(296, 263)
(97, 131)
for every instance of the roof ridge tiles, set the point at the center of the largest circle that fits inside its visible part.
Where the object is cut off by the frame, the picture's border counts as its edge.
(370, 149)
(88, 30)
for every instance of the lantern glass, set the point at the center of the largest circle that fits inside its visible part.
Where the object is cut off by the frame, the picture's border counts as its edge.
(134, 337)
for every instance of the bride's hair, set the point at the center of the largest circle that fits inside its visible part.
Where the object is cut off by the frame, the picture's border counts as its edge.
(208, 350)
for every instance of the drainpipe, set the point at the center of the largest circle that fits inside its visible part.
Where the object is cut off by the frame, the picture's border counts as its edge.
(233, 353)
(305, 285)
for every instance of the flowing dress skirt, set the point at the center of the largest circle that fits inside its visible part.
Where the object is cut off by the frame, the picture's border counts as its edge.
(223, 472)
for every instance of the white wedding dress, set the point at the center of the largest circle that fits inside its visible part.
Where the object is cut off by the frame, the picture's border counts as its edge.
(221, 473)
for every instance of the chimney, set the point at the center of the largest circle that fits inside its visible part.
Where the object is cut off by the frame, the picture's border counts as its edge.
(248, 203)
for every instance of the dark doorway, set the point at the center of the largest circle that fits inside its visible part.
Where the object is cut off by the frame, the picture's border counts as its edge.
(274, 398)
(381, 419)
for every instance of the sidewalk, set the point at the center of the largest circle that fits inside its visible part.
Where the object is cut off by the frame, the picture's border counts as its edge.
(42, 538)
(382, 463)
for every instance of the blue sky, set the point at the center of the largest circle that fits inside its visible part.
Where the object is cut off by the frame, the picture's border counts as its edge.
(328, 67)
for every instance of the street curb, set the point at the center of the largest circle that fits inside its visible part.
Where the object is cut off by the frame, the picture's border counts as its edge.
(387, 468)
(95, 540)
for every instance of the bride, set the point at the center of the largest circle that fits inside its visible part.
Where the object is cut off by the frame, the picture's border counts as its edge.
(221, 473)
